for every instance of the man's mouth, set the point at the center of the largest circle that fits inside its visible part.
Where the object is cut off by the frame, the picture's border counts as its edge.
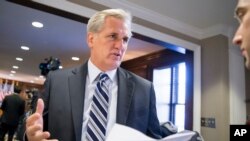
(116, 54)
(243, 51)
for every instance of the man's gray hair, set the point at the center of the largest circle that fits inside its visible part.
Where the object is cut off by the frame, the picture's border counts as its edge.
(96, 22)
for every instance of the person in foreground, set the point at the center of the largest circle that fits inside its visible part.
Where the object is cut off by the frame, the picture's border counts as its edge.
(66, 111)
(242, 35)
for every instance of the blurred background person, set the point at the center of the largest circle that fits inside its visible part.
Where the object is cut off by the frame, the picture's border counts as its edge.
(30, 96)
(13, 108)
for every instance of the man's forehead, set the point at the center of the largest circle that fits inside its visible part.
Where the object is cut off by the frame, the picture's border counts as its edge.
(243, 3)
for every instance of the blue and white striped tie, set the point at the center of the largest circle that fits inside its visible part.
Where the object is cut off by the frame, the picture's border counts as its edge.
(96, 127)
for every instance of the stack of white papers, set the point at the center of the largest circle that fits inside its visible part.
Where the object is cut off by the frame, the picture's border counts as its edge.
(123, 133)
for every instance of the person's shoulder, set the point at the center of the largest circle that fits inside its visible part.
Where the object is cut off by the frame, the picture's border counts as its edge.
(7, 96)
(65, 72)
(133, 76)
(10, 96)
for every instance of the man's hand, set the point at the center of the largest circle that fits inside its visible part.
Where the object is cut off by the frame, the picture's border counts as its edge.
(34, 125)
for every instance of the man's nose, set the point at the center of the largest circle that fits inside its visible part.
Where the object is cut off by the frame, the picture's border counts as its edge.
(119, 43)
(237, 40)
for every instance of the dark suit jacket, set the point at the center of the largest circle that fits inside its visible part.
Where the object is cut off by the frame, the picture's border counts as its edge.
(64, 100)
(13, 107)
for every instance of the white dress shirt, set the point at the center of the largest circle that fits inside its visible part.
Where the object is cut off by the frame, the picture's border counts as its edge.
(91, 82)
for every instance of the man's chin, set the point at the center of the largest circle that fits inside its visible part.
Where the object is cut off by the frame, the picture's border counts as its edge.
(113, 65)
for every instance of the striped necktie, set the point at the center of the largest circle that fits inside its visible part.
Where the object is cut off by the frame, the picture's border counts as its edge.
(96, 127)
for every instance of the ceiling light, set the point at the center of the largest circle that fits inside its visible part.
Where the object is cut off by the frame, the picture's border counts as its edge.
(75, 58)
(25, 48)
(37, 24)
(19, 59)
(60, 67)
(13, 71)
(15, 67)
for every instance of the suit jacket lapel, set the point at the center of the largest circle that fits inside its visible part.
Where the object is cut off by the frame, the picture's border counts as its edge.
(125, 94)
(77, 92)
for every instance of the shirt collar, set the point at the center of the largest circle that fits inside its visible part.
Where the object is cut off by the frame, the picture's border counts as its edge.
(96, 71)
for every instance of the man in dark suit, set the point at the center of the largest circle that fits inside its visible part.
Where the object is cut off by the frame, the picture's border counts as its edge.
(68, 93)
(13, 108)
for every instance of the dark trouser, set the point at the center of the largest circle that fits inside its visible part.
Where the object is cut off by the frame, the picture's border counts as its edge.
(5, 128)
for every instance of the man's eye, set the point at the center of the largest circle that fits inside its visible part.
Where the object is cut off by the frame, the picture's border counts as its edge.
(125, 39)
(240, 15)
(112, 36)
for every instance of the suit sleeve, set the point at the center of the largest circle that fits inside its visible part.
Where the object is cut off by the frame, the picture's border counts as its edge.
(45, 96)
(154, 129)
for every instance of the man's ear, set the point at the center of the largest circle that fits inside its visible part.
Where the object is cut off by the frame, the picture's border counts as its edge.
(90, 39)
